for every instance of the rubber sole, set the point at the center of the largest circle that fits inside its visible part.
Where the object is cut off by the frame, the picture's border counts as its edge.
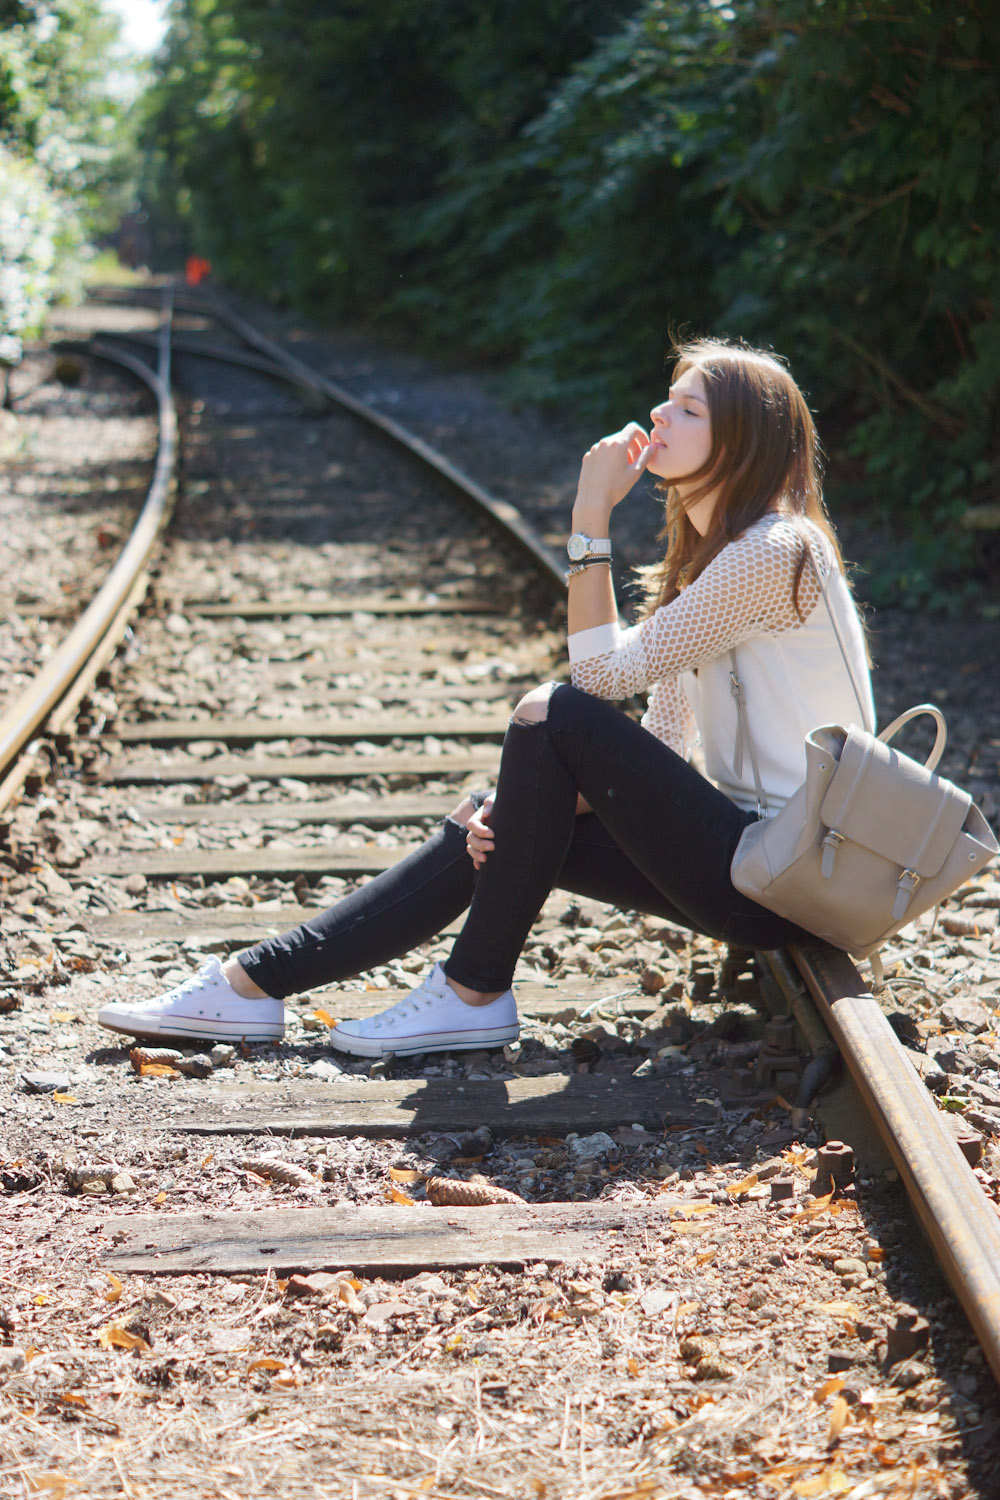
(433, 1041)
(190, 1028)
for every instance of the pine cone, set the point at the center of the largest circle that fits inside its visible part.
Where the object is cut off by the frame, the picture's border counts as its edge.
(166, 1056)
(279, 1171)
(447, 1192)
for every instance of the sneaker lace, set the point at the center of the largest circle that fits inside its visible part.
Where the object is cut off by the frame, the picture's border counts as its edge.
(419, 999)
(189, 986)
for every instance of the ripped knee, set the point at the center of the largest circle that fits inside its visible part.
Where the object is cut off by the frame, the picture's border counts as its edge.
(534, 706)
(468, 805)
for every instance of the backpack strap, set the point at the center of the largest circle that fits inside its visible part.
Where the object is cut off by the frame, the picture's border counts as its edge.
(736, 688)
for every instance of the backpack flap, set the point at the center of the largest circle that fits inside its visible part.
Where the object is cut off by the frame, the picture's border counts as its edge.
(882, 801)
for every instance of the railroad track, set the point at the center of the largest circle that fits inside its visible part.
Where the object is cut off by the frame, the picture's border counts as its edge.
(369, 747)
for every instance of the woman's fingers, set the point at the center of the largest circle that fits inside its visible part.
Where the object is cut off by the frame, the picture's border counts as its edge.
(613, 464)
(479, 840)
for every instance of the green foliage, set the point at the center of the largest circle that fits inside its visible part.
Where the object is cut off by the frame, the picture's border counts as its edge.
(37, 244)
(62, 173)
(558, 183)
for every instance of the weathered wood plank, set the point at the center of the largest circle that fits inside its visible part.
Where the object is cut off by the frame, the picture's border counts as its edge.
(375, 814)
(345, 767)
(553, 1104)
(367, 604)
(220, 864)
(420, 691)
(389, 1241)
(212, 925)
(313, 727)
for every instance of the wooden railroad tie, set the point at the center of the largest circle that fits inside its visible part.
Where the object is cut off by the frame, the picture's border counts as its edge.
(393, 1108)
(389, 1241)
(319, 767)
(314, 727)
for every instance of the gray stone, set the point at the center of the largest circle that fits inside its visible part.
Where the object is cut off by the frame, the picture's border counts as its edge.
(11, 1360)
(656, 1301)
(966, 1014)
(588, 1147)
(198, 1066)
(324, 1068)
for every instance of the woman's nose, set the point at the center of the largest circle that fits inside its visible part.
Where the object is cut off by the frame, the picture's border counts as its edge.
(659, 414)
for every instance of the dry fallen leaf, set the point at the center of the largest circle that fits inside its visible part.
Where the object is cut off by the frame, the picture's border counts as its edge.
(157, 1070)
(58, 1098)
(829, 1387)
(848, 1310)
(114, 1291)
(348, 1295)
(838, 1416)
(633, 1368)
(63, 1015)
(820, 1206)
(324, 1016)
(396, 1195)
(113, 1336)
(831, 1482)
(737, 1189)
(51, 1481)
(407, 1174)
(266, 1364)
(161, 1197)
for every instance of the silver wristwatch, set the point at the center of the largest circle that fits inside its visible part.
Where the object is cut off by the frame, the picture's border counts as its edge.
(580, 546)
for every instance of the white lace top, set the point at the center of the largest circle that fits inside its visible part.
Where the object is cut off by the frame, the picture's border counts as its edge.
(793, 671)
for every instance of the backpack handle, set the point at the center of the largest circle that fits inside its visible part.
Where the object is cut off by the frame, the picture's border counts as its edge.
(913, 713)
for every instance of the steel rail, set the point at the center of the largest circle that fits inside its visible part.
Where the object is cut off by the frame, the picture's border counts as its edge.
(959, 1221)
(50, 686)
(230, 354)
(501, 512)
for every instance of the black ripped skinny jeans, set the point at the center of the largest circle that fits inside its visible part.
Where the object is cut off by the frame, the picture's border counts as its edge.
(660, 839)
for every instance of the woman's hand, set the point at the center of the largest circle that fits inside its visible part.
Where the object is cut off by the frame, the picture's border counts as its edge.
(479, 840)
(608, 471)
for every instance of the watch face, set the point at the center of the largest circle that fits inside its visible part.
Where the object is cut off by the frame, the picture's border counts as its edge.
(577, 546)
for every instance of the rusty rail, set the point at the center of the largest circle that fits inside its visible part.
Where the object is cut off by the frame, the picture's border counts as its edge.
(50, 687)
(959, 1221)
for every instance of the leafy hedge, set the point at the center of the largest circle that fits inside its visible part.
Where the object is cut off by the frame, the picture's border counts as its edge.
(39, 241)
(554, 184)
(61, 165)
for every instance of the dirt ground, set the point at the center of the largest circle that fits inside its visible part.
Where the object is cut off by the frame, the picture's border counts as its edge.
(745, 1334)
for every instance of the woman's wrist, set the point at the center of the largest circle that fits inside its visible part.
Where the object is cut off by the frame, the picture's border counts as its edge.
(591, 518)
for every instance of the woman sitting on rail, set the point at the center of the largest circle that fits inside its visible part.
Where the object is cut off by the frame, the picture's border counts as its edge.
(588, 800)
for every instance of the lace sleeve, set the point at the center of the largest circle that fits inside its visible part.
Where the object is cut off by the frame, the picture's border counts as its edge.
(746, 591)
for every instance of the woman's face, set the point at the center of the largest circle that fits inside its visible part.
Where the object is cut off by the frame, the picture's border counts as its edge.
(681, 438)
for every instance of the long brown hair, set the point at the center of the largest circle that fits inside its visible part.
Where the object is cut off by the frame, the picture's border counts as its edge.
(764, 456)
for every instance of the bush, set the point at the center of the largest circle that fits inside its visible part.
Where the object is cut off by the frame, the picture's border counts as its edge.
(40, 245)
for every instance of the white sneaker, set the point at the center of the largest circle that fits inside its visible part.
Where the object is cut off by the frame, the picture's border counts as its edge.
(430, 1019)
(206, 1005)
